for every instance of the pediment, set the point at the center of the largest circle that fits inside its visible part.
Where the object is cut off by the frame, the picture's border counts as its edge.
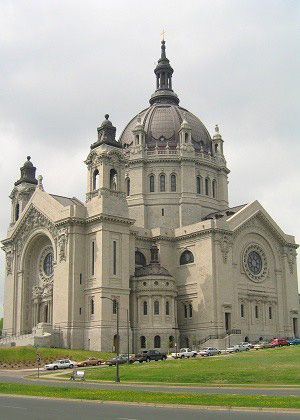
(255, 216)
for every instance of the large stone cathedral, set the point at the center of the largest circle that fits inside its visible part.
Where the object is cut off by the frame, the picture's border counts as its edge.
(155, 246)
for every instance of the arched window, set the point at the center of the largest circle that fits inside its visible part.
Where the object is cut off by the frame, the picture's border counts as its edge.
(242, 310)
(162, 183)
(186, 137)
(113, 179)
(114, 303)
(173, 182)
(92, 306)
(143, 342)
(137, 139)
(186, 257)
(199, 184)
(145, 308)
(128, 186)
(140, 260)
(191, 310)
(171, 341)
(17, 211)
(156, 307)
(167, 308)
(157, 342)
(95, 179)
(151, 183)
(185, 310)
(214, 188)
(206, 186)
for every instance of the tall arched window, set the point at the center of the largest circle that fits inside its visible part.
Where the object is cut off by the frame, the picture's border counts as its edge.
(185, 310)
(113, 179)
(190, 310)
(143, 342)
(95, 179)
(151, 183)
(186, 257)
(199, 184)
(206, 186)
(157, 342)
(140, 260)
(156, 307)
(162, 183)
(114, 302)
(173, 182)
(171, 341)
(17, 211)
(214, 188)
(145, 308)
(128, 186)
(167, 308)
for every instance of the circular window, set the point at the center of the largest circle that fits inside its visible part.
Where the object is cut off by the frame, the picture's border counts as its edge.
(255, 263)
(144, 283)
(48, 264)
(156, 283)
(167, 284)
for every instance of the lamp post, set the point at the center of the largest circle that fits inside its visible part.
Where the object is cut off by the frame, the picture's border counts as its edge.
(115, 302)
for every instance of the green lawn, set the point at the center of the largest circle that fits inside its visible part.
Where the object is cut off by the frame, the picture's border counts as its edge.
(279, 366)
(28, 354)
(152, 397)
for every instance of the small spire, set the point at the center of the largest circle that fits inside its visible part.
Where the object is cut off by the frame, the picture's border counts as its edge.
(154, 254)
(40, 183)
(163, 71)
(217, 134)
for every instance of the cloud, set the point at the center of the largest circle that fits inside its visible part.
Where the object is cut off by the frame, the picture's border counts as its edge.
(66, 64)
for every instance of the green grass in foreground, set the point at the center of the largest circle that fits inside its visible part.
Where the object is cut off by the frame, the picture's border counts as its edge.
(279, 366)
(151, 397)
(28, 353)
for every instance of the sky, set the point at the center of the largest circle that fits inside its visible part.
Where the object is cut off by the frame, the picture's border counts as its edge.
(66, 63)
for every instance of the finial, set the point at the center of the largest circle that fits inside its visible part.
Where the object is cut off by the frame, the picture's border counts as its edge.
(40, 183)
(106, 116)
(28, 157)
(162, 34)
(217, 128)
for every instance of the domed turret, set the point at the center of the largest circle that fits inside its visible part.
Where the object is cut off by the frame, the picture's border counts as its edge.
(27, 173)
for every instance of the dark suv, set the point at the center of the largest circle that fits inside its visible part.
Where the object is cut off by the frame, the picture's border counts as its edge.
(147, 356)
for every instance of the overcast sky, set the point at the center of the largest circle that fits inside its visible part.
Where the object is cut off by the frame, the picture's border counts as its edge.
(66, 63)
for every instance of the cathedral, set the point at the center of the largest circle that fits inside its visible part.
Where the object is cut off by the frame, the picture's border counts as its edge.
(154, 258)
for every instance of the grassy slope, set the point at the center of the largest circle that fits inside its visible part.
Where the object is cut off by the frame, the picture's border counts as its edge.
(152, 397)
(22, 354)
(268, 366)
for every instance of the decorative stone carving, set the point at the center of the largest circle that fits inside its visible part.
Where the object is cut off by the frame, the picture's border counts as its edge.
(37, 292)
(34, 219)
(62, 244)
(9, 258)
(225, 247)
(291, 256)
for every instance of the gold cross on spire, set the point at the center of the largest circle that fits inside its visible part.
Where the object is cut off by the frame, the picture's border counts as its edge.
(162, 34)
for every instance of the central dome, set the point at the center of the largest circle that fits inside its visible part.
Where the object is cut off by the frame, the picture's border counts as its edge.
(162, 120)
(161, 123)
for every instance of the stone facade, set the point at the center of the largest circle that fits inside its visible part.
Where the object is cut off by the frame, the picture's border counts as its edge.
(155, 241)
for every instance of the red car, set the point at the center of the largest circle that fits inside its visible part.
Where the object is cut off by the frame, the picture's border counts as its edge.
(278, 342)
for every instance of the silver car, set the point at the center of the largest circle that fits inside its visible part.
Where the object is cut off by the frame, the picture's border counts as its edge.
(61, 364)
(209, 351)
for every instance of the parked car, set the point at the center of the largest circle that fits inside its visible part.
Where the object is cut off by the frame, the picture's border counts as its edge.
(294, 342)
(121, 360)
(279, 342)
(209, 351)
(61, 364)
(262, 345)
(184, 352)
(150, 355)
(236, 348)
(91, 361)
(246, 344)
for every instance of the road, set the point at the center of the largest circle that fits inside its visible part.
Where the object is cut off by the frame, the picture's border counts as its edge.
(19, 408)
(17, 377)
